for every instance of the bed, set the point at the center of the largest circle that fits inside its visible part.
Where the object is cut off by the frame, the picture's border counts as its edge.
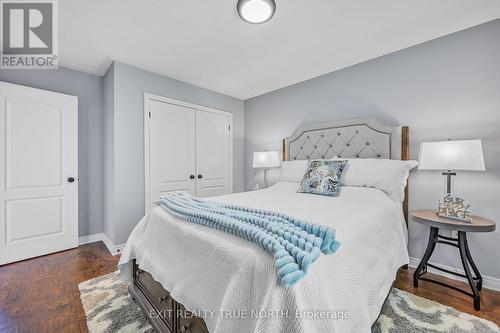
(189, 278)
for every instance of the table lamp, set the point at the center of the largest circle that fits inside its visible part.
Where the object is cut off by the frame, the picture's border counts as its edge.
(266, 160)
(451, 156)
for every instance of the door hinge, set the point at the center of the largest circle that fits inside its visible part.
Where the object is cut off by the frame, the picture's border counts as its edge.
(149, 114)
(229, 127)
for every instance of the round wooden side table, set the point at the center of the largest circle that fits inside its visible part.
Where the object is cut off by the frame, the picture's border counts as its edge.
(435, 222)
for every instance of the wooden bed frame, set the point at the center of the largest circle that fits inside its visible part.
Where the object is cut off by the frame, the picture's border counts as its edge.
(166, 314)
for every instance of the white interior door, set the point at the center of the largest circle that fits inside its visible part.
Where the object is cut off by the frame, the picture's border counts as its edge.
(213, 154)
(172, 149)
(38, 172)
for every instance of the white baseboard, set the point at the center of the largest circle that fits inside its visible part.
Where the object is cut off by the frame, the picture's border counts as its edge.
(113, 249)
(90, 239)
(488, 281)
(118, 249)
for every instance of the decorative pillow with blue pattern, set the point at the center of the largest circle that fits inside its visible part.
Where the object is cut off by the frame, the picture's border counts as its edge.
(322, 177)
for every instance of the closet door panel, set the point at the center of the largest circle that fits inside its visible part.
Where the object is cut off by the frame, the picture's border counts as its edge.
(172, 144)
(213, 154)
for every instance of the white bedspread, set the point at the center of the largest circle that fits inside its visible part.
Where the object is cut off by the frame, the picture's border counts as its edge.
(221, 276)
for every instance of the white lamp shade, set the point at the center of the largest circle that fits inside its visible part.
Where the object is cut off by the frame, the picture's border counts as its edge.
(452, 155)
(266, 159)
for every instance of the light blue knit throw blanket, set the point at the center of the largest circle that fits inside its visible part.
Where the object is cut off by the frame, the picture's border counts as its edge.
(295, 244)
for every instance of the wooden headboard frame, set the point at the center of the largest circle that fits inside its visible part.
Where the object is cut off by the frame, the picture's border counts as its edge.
(397, 141)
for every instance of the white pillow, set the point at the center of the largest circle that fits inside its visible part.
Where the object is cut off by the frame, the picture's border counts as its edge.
(387, 175)
(292, 171)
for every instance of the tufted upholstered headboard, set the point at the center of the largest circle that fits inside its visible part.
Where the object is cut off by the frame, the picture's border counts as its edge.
(355, 138)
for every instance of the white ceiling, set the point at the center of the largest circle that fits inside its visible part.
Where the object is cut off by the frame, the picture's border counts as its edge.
(205, 43)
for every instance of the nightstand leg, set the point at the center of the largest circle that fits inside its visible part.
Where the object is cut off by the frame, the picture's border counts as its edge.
(479, 278)
(431, 245)
(464, 255)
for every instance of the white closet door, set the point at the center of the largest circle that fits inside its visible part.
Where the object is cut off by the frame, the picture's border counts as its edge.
(213, 154)
(172, 144)
(38, 172)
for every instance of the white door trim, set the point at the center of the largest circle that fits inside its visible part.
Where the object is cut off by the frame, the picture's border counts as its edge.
(147, 153)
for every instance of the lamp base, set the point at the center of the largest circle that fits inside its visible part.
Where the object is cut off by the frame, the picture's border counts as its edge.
(448, 175)
(265, 177)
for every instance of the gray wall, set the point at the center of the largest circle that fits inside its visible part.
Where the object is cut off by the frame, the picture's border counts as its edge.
(88, 88)
(445, 88)
(110, 135)
(108, 105)
(130, 84)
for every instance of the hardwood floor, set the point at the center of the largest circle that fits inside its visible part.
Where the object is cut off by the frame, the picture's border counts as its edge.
(41, 294)
(490, 300)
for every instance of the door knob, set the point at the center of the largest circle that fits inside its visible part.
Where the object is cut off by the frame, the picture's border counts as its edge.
(71, 179)
(191, 177)
(200, 176)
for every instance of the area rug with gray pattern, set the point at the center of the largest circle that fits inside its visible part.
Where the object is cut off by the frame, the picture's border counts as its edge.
(109, 308)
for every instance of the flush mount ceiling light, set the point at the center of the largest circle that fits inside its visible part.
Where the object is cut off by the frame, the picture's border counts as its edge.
(256, 11)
